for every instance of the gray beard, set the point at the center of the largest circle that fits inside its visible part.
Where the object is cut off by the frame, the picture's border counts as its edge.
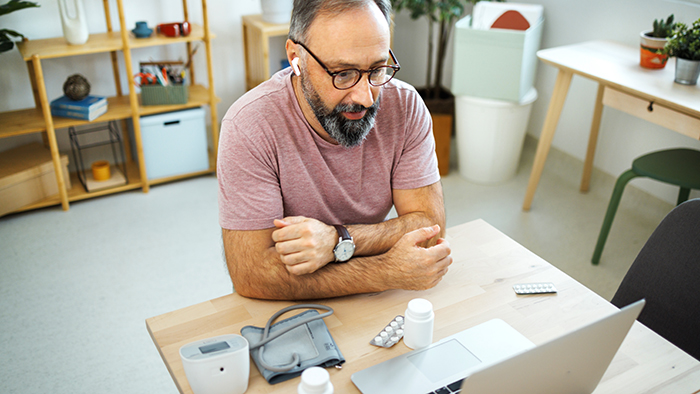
(347, 132)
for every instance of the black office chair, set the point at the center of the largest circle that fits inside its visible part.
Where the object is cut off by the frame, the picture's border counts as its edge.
(667, 273)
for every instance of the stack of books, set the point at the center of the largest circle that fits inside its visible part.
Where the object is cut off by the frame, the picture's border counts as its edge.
(88, 108)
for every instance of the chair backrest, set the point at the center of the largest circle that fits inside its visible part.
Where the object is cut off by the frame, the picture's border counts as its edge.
(667, 273)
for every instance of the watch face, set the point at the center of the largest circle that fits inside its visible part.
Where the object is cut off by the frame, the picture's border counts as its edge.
(344, 250)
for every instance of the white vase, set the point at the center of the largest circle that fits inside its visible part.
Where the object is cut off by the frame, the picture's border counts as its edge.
(277, 11)
(75, 28)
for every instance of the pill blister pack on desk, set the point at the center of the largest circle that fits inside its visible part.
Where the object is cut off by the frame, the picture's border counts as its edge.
(390, 335)
(535, 288)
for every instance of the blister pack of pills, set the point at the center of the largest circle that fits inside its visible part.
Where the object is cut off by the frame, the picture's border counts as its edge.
(391, 334)
(535, 288)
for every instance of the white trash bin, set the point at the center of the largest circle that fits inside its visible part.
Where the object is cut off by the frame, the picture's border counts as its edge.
(490, 136)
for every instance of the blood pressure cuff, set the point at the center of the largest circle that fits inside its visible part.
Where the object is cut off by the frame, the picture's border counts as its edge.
(311, 341)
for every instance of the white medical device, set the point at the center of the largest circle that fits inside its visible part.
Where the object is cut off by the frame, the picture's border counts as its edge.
(218, 365)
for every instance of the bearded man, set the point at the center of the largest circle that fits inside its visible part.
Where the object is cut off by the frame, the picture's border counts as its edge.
(311, 162)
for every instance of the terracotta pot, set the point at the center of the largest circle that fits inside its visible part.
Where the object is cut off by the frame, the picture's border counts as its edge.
(442, 113)
(649, 58)
(442, 132)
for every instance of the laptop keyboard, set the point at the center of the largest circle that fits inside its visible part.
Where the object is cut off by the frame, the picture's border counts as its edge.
(450, 388)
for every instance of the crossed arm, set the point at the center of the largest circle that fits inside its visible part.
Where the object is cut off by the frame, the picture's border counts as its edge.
(290, 261)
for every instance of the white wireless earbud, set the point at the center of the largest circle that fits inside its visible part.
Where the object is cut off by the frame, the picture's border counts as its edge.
(295, 66)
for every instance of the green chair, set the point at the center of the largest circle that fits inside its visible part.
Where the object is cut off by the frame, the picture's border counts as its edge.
(680, 167)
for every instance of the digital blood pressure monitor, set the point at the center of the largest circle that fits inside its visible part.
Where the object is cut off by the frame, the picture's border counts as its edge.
(218, 365)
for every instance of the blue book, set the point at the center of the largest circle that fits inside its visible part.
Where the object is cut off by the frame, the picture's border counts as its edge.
(89, 116)
(85, 105)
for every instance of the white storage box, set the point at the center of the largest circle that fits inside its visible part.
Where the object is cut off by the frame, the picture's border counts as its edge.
(174, 143)
(497, 63)
(27, 176)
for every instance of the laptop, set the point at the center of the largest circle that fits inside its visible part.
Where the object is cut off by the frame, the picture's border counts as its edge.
(493, 357)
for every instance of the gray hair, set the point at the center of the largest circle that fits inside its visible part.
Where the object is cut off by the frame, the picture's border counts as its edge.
(306, 11)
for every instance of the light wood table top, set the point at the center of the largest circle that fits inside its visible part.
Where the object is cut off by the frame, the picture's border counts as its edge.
(623, 84)
(477, 288)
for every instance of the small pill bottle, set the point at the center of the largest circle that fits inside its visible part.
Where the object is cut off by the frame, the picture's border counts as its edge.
(315, 380)
(418, 326)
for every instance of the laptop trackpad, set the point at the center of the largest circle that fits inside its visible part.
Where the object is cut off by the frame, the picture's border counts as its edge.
(444, 360)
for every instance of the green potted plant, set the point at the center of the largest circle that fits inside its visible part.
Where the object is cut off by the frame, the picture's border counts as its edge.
(6, 35)
(684, 45)
(439, 99)
(652, 43)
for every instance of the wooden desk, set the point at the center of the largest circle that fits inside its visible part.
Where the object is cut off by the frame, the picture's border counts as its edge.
(477, 288)
(622, 84)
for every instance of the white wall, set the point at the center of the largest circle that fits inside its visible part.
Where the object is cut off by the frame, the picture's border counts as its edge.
(622, 138)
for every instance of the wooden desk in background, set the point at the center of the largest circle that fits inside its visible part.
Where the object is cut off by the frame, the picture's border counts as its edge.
(622, 84)
(477, 288)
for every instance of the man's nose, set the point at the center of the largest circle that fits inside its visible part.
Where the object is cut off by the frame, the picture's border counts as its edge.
(362, 93)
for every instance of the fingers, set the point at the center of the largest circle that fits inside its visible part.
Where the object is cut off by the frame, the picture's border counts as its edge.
(289, 220)
(422, 234)
(303, 244)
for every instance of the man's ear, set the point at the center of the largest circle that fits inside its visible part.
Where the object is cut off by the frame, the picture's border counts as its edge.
(293, 55)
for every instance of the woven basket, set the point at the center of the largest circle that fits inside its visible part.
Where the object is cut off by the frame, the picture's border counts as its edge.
(163, 95)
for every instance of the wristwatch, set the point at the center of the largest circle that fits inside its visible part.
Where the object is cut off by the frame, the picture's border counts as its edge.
(346, 247)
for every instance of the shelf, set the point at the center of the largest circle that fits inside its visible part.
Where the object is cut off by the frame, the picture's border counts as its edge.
(198, 96)
(27, 121)
(126, 106)
(78, 193)
(99, 43)
(256, 47)
(197, 34)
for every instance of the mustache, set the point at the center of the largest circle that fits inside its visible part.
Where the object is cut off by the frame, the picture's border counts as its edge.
(340, 108)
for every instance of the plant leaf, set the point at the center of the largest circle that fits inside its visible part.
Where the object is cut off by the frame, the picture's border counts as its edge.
(14, 5)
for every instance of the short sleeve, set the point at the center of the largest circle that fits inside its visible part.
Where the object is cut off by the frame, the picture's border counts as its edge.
(249, 190)
(417, 163)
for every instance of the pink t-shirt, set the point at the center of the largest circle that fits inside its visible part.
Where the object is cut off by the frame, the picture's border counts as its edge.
(272, 164)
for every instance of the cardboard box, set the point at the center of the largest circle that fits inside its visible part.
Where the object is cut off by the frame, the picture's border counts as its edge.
(497, 64)
(27, 176)
(174, 143)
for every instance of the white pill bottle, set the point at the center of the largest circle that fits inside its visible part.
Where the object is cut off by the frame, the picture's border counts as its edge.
(315, 380)
(418, 326)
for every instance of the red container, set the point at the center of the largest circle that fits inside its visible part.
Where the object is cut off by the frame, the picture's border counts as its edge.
(175, 29)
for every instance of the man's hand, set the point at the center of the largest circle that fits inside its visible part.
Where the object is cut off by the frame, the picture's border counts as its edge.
(413, 267)
(304, 244)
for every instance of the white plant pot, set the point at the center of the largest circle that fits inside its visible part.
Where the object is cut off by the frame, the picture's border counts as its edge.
(75, 28)
(277, 11)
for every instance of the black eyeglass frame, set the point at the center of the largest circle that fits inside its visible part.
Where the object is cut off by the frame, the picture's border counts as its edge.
(396, 67)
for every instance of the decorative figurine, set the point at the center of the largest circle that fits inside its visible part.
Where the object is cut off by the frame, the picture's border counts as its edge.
(76, 87)
(142, 30)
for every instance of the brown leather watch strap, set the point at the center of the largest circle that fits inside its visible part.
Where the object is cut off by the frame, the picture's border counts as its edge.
(342, 231)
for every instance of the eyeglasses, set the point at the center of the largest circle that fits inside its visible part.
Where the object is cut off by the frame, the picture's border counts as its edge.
(345, 79)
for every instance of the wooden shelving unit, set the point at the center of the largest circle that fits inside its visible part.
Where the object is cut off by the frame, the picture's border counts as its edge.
(256, 47)
(121, 107)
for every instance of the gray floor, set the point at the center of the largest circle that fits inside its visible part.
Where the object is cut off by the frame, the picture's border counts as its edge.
(77, 286)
